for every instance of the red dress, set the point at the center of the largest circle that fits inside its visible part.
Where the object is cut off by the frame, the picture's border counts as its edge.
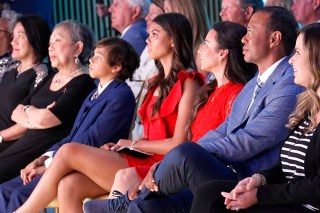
(161, 125)
(216, 110)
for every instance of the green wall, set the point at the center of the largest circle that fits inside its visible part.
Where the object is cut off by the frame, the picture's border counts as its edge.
(85, 12)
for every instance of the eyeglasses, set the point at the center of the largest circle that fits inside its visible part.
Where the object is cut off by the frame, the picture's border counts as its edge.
(5, 31)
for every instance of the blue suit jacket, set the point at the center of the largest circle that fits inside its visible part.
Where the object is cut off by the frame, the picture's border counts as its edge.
(105, 119)
(251, 141)
(136, 35)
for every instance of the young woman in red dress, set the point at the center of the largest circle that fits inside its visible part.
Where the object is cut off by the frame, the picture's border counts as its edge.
(165, 114)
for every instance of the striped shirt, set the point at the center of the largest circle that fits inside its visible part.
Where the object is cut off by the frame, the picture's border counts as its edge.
(293, 154)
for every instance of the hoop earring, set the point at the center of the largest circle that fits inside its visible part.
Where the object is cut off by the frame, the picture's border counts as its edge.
(77, 61)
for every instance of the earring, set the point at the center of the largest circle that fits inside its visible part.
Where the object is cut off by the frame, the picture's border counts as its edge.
(77, 61)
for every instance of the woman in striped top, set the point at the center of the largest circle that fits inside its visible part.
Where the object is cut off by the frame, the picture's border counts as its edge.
(293, 185)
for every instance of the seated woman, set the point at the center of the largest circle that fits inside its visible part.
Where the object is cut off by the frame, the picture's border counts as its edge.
(105, 115)
(165, 113)
(30, 47)
(220, 54)
(49, 112)
(293, 184)
(7, 21)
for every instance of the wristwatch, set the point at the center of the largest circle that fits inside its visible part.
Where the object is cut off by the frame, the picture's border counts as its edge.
(1, 139)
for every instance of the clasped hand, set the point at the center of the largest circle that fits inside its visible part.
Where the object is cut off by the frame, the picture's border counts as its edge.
(244, 195)
(33, 169)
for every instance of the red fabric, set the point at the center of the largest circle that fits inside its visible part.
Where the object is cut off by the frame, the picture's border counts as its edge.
(216, 110)
(161, 125)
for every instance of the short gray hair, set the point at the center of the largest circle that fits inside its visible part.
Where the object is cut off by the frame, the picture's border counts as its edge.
(144, 5)
(255, 4)
(80, 32)
(11, 17)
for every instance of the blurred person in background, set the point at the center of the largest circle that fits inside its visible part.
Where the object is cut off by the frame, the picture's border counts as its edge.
(306, 11)
(239, 11)
(7, 22)
(127, 17)
(280, 3)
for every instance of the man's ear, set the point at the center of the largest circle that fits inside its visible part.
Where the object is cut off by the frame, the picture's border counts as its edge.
(275, 38)
(315, 4)
(136, 12)
(248, 13)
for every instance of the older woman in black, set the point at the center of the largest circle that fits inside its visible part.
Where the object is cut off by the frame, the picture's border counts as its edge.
(293, 185)
(30, 47)
(49, 113)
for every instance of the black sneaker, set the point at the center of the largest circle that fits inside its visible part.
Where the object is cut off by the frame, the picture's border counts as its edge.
(117, 205)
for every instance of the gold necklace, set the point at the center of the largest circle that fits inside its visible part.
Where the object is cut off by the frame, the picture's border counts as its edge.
(59, 78)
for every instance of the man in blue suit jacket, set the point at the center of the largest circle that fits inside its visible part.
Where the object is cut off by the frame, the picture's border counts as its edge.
(250, 138)
(105, 116)
(127, 17)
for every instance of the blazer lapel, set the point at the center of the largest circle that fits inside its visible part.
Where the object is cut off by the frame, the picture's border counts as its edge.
(105, 93)
(273, 78)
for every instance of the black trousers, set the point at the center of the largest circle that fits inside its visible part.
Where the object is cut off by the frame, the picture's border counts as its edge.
(208, 199)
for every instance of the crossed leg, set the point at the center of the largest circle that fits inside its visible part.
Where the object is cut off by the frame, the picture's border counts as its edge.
(98, 167)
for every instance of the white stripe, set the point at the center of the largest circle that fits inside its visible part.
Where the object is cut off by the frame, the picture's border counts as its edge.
(293, 165)
(293, 158)
(310, 207)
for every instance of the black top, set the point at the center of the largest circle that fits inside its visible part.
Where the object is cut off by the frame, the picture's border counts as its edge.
(34, 142)
(15, 88)
(68, 99)
(299, 190)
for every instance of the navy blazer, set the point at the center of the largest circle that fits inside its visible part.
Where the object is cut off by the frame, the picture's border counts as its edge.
(136, 35)
(250, 141)
(105, 119)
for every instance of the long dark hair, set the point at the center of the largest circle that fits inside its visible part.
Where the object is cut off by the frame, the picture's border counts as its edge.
(237, 70)
(38, 34)
(178, 27)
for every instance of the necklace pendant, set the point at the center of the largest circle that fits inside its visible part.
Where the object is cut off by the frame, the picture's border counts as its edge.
(57, 81)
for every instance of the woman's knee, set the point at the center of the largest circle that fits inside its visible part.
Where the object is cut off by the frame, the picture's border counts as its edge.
(67, 150)
(125, 175)
(68, 187)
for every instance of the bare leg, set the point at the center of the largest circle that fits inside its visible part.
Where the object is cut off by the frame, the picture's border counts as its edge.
(97, 164)
(124, 180)
(73, 189)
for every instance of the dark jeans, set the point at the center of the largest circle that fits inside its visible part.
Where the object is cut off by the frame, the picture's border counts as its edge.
(208, 199)
(187, 165)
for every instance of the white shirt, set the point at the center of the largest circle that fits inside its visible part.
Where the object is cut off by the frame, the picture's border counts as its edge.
(264, 76)
(125, 30)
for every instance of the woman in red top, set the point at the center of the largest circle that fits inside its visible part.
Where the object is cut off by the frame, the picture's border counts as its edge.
(165, 114)
(221, 55)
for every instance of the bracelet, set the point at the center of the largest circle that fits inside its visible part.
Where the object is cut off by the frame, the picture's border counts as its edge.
(134, 142)
(262, 178)
(25, 108)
